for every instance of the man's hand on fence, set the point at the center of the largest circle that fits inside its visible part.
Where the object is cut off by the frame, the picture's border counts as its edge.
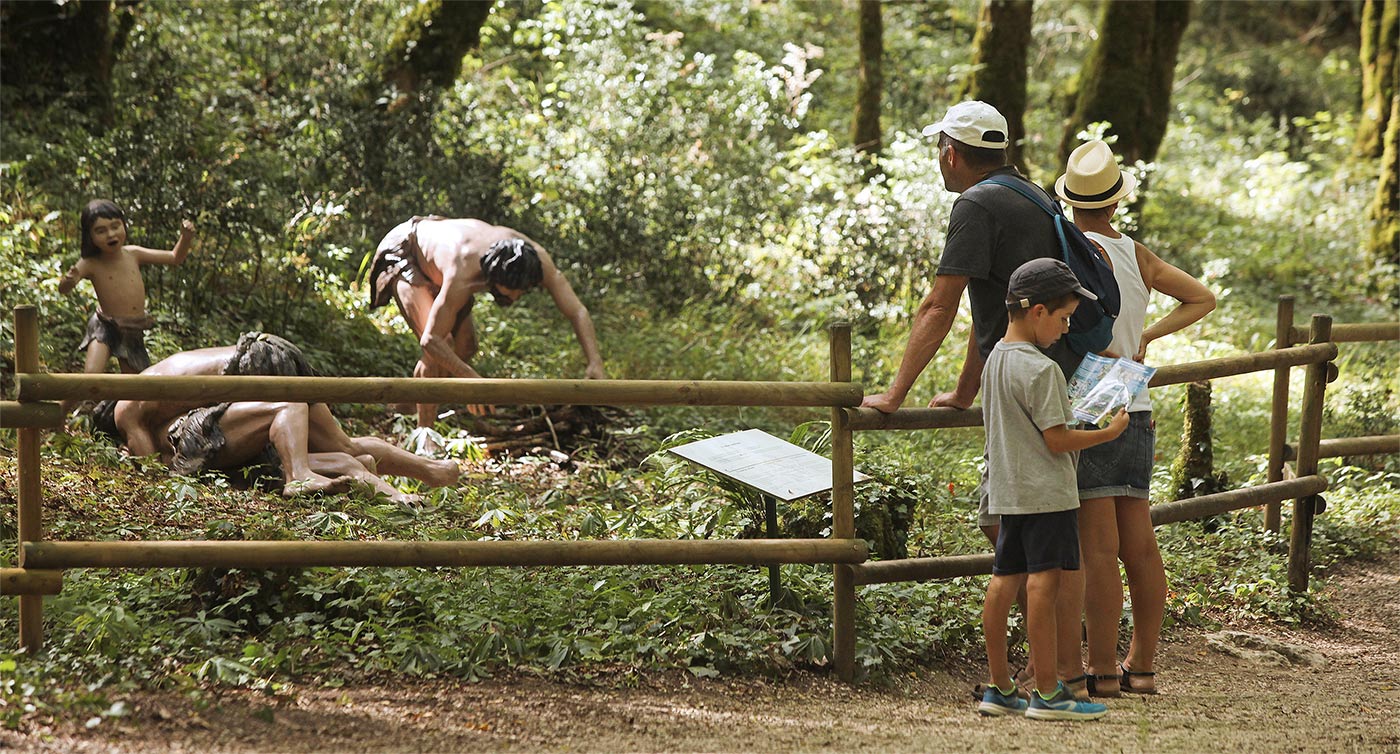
(885, 403)
(950, 400)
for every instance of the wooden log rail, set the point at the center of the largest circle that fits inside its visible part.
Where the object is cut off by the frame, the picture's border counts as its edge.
(1172, 374)
(15, 415)
(921, 569)
(1361, 332)
(215, 389)
(281, 554)
(15, 581)
(1370, 445)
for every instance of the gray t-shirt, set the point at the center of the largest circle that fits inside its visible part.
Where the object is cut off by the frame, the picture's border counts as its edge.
(992, 230)
(1024, 394)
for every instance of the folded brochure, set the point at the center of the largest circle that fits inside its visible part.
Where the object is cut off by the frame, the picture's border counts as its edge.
(1101, 386)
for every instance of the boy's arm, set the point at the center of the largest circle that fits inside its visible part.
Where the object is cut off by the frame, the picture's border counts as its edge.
(1062, 439)
(172, 257)
(70, 279)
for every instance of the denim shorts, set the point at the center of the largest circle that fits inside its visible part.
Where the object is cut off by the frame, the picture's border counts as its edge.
(1122, 467)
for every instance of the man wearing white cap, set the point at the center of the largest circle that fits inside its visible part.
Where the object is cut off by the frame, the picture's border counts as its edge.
(992, 230)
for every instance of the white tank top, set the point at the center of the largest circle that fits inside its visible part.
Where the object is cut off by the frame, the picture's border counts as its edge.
(1132, 314)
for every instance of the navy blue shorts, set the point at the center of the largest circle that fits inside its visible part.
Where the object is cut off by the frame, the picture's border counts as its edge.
(1121, 467)
(1037, 542)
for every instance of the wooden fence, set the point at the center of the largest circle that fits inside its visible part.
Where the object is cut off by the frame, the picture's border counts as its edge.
(41, 562)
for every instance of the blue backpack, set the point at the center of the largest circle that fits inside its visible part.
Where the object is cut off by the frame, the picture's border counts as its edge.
(1091, 326)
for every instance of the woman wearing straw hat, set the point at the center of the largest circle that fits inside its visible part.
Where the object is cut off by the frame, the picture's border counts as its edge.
(1114, 478)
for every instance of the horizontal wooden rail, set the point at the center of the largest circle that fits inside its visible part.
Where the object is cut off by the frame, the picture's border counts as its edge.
(947, 418)
(922, 569)
(1175, 374)
(1223, 502)
(955, 566)
(1360, 332)
(15, 415)
(30, 581)
(280, 554)
(214, 389)
(911, 418)
(1369, 445)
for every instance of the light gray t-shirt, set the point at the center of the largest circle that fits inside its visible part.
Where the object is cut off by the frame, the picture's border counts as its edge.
(1024, 393)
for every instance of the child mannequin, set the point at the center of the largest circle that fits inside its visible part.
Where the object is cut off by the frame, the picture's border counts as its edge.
(117, 327)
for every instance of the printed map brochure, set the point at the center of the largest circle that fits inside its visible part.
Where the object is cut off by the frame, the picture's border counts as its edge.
(1102, 385)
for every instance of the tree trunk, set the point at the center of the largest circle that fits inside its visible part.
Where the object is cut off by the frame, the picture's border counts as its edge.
(426, 52)
(1128, 78)
(423, 58)
(865, 126)
(999, 55)
(1380, 34)
(1385, 209)
(1193, 472)
(51, 52)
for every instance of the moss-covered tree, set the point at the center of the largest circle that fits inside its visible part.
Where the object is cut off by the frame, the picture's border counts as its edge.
(865, 125)
(1127, 80)
(1385, 208)
(425, 54)
(1380, 35)
(423, 58)
(999, 65)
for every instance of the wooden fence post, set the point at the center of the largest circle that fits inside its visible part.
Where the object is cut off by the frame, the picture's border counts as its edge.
(843, 521)
(29, 507)
(1278, 419)
(1309, 439)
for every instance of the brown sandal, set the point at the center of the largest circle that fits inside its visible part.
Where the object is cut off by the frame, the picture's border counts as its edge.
(1125, 682)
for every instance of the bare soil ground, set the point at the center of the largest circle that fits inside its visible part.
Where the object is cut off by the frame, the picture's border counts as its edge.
(1210, 701)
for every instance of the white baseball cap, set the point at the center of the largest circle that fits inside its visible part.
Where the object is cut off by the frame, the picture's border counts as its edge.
(976, 124)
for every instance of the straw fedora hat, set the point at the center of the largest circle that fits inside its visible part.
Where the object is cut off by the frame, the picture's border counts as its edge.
(1092, 178)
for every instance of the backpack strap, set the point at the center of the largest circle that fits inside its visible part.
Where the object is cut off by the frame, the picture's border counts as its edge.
(1055, 212)
(1014, 185)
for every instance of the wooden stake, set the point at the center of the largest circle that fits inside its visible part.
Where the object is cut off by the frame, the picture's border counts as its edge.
(1278, 417)
(843, 521)
(1309, 438)
(29, 513)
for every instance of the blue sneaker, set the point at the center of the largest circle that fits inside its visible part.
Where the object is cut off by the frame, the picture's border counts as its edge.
(1063, 706)
(996, 704)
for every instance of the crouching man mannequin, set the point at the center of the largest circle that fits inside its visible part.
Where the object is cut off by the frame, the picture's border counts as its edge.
(434, 267)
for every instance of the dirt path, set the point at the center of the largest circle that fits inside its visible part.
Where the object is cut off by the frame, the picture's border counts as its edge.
(1211, 701)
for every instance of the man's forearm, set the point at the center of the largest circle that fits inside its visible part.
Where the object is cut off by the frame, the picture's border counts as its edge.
(970, 378)
(930, 328)
(587, 338)
(439, 354)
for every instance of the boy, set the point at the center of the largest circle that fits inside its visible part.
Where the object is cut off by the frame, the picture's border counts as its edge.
(1032, 485)
(118, 326)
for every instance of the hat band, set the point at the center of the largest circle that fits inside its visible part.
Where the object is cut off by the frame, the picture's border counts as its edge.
(1095, 197)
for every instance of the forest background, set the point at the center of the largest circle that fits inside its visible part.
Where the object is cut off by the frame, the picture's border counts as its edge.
(706, 174)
